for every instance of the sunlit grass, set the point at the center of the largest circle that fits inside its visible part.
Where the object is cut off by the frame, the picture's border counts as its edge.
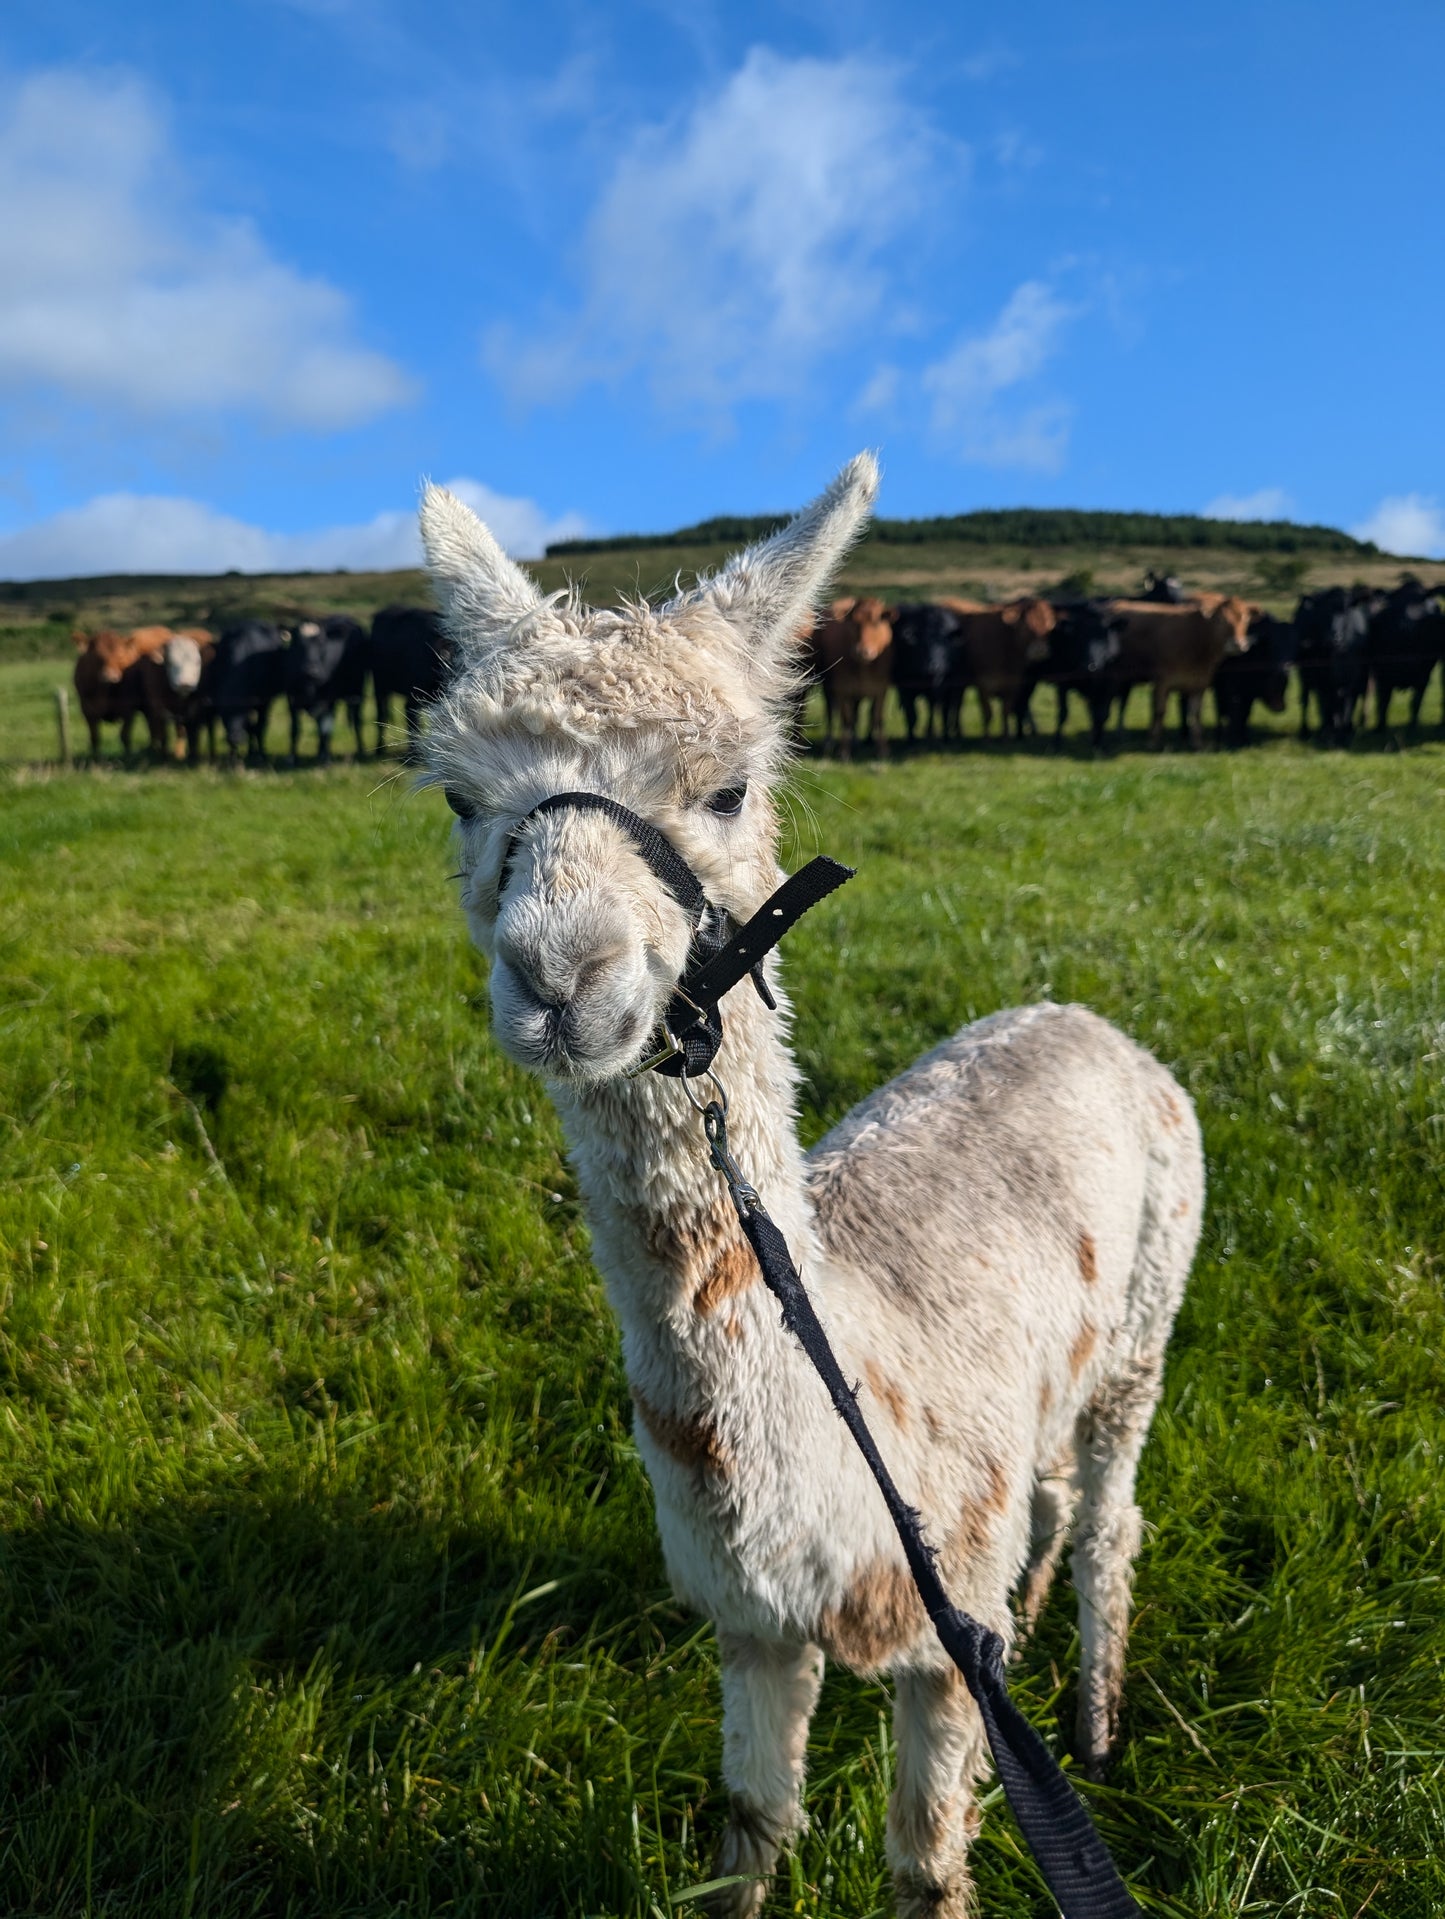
(329, 1581)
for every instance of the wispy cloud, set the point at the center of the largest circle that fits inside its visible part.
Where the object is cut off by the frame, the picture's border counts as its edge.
(967, 387)
(1269, 503)
(153, 533)
(1411, 524)
(733, 247)
(117, 292)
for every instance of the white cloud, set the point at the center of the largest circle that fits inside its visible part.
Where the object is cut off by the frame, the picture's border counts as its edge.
(115, 291)
(880, 391)
(1269, 503)
(1410, 524)
(965, 386)
(153, 533)
(733, 247)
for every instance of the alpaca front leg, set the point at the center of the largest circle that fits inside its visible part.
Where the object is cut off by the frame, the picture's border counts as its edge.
(769, 1691)
(933, 1816)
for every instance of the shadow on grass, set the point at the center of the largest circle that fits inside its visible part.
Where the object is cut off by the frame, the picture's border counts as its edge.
(264, 1704)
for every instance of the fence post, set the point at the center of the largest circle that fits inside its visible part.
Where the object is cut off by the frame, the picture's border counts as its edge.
(62, 722)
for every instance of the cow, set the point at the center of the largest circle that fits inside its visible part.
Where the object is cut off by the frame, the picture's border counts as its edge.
(410, 656)
(925, 665)
(1332, 632)
(1176, 650)
(109, 681)
(1261, 673)
(1407, 637)
(249, 674)
(1082, 659)
(326, 662)
(1000, 647)
(175, 689)
(853, 650)
(1163, 589)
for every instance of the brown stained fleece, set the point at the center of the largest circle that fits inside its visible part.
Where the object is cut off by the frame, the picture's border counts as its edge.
(689, 1438)
(887, 1394)
(933, 1423)
(974, 1533)
(1046, 1398)
(1171, 1116)
(1088, 1259)
(878, 1617)
(731, 1273)
(1083, 1346)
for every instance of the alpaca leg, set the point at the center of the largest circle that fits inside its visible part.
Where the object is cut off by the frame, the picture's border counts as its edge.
(1111, 1438)
(769, 1692)
(1051, 1515)
(932, 1816)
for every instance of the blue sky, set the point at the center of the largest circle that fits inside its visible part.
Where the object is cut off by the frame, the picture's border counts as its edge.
(264, 263)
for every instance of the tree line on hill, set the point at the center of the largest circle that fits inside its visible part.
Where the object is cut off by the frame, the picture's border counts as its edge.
(1017, 526)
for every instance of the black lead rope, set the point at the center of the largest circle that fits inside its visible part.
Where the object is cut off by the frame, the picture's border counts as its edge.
(1074, 1860)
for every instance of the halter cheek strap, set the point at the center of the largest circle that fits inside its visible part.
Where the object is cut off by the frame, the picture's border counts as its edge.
(688, 1039)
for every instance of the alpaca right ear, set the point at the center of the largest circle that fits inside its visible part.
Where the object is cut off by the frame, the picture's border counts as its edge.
(483, 594)
(771, 590)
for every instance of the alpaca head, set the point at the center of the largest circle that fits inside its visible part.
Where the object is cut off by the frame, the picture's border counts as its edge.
(681, 712)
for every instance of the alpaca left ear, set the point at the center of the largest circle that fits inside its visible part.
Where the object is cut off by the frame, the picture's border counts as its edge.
(771, 590)
(483, 594)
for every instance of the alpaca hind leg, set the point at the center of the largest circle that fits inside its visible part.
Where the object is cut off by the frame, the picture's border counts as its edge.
(769, 1692)
(933, 1816)
(1051, 1514)
(1111, 1438)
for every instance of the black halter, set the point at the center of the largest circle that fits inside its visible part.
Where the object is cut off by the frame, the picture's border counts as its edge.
(721, 954)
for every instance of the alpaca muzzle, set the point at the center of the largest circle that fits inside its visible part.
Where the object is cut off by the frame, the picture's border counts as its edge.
(686, 1041)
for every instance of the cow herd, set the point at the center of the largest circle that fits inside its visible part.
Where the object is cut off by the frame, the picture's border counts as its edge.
(186, 681)
(1341, 643)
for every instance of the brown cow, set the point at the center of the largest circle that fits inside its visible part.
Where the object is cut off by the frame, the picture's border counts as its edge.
(998, 646)
(853, 657)
(109, 682)
(1177, 649)
(172, 689)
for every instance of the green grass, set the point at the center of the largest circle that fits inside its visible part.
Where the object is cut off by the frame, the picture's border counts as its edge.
(328, 1578)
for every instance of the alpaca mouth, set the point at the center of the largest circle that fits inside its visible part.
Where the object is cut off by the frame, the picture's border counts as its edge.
(571, 1039)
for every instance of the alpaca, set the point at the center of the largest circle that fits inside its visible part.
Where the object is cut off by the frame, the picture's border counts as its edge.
(997, 1241)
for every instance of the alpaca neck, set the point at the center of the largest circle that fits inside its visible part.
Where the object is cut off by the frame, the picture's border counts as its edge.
(665, 1234)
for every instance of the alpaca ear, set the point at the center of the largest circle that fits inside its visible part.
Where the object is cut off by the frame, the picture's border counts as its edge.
(483, 594)
(768, 591)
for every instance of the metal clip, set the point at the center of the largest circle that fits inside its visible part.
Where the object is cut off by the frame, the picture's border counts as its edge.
(714, 1124)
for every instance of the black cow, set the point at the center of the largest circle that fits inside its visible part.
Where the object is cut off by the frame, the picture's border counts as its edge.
(1260, 674)
(1332, 653)
(247, 675)
(1165, 589)
(326, 662)
(925, 664)
(410, 656)
(1407, 637)
(1082, 659)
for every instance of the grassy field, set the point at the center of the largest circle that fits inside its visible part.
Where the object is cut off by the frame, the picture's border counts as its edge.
(328, 1579)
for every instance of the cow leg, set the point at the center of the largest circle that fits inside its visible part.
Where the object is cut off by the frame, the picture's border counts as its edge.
(295, 735)
(413, 727)
(1384, 693)
(127, 727)
(879, 717)
(353, 713)
(847, 726)
(325, 725)
(94, 726)
(1156, 727)
(1192, 705)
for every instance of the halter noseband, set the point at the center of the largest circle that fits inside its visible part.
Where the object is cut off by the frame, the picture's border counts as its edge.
(687, 1041)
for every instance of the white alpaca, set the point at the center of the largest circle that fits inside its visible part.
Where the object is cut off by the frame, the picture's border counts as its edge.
(997, 1241)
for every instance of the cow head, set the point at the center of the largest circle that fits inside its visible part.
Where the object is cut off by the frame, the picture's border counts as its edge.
(874, 630)
(1035, 620)
(1229, 623)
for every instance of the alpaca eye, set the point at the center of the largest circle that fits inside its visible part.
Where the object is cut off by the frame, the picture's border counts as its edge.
(728, 801)
(459, 803)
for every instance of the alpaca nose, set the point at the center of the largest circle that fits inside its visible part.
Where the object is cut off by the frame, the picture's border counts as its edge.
(567, 960)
